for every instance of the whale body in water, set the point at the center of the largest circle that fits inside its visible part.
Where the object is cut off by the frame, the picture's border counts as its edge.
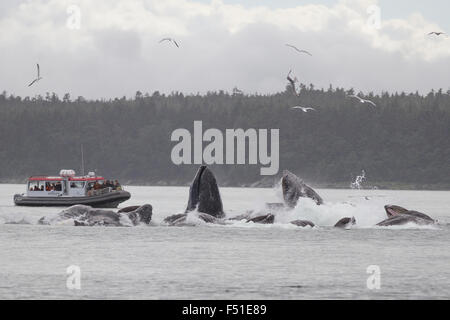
(87, 216)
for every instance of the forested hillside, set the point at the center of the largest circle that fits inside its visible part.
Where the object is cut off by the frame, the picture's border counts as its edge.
(403, 142)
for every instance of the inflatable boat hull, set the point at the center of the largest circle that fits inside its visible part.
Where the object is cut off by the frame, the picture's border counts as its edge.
(107, 200)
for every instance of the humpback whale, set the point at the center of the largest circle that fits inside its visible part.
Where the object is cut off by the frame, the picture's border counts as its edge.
(204, 196)
(181, 219)
(269, 219)
(402, 219)
(266, 216)
(204, 199)
(87, 216)
(345, 223)
(141, 214)
(265, 219)
(293, 188)
(393, 210)
(128, 209)
(303, 223)
(398, 216)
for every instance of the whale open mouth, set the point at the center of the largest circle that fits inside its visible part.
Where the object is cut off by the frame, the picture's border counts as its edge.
(393, 211)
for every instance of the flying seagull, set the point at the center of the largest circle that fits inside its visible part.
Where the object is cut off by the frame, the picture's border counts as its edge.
(363, 100)
(292, 81)
(38, 76)
(304, 109)
(298, 50)
(171, 40)
(436, 33)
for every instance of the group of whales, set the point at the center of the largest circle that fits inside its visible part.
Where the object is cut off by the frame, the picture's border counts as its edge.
(205, 201)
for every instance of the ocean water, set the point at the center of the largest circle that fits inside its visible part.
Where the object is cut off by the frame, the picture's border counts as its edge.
(234, 261)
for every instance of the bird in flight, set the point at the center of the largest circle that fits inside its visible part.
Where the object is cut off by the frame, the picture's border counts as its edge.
(171, 40)
(436, 33)
(298, 50)
(292, 81)
(363, 100)
(38, 76)
(304, 109)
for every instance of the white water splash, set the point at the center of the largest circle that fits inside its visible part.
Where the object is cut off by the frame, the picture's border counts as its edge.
(357, 184)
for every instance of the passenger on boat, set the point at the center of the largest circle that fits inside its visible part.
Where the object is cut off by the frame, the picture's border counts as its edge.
(117, 186)
(110, 184)
(97, 186)
(90, 188)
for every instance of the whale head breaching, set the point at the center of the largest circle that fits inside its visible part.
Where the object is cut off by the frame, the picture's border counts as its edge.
(398, 216)
(345, 223)
(204, 197)
(204, 194)
(293, 188)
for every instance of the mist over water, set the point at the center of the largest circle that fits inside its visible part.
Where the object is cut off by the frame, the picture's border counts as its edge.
(236, 260)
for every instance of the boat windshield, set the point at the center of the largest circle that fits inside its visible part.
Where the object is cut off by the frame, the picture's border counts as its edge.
(77, 184)
(53, 186)
(36, 186)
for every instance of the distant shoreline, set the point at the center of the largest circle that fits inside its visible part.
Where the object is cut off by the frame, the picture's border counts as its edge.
(270, 184)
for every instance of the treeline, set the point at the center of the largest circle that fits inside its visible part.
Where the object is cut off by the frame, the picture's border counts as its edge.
(403, 142)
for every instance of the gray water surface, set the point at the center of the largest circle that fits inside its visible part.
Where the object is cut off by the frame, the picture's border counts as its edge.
(237, 261)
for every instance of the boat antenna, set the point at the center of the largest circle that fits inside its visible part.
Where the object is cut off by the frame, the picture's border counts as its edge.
(82, 160)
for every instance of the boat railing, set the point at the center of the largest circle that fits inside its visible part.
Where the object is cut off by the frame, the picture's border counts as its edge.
(100, 191)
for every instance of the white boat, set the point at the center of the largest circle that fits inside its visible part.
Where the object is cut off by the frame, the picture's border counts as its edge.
(67, 189)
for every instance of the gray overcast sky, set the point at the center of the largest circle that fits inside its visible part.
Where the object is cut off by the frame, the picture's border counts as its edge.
(223, 44)
(433, 10)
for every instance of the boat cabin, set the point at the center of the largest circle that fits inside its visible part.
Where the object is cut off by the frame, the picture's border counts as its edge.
(64, 185)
